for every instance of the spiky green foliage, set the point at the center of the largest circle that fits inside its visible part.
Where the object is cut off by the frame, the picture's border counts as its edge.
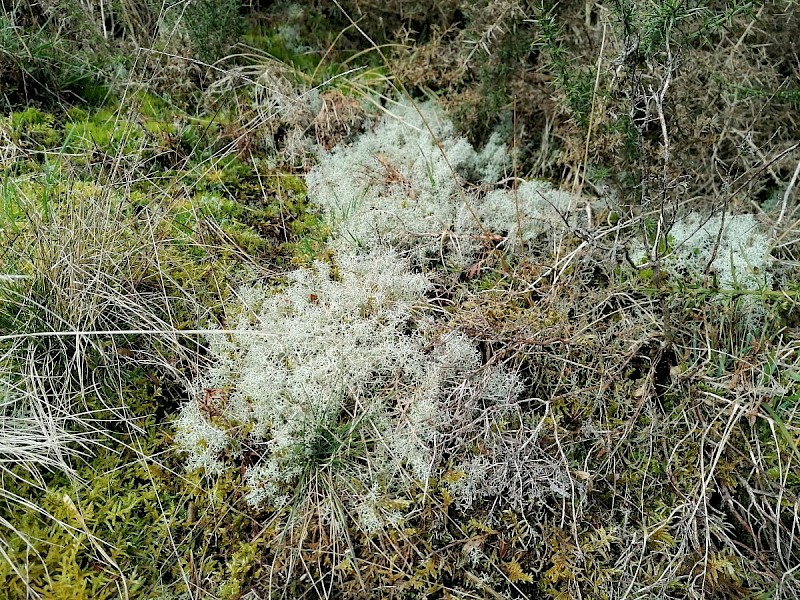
(214, 26)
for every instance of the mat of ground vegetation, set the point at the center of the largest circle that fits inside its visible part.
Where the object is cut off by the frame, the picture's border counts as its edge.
(409, 300)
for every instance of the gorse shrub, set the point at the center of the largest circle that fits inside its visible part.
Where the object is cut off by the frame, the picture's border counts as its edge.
(213, 26)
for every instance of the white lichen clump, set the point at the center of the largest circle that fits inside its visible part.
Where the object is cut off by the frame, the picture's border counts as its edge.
(729, 253)
(730, 247)
(337, 372)
(401, 185)
(525, 214)
(343, 372)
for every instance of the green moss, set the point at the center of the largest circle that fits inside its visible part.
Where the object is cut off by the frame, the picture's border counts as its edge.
(128, 522)
(153, 107)
(158, 127)
(34, 129)
(77, 113)
(99, 535)
(308, 232)
(238, 568)
(91, 90)
(104, 130)
(226, 173)
(192, 216)
(277, 46)
(30, 117)
(646, 275)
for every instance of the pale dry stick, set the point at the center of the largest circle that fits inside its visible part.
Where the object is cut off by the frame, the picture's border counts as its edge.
(590, 326)
(737, 410)
(578, 190)
(514, 179)
(658, 98)
(780, 501)
(573, 494)
(690, 541)
(568, 260)
(109, 332)
(103, 18)
(624, 558)
(663, 227)
(760, 169)
(794, 227)
(483, 586)
(747, 137)
(668, 574)
(786, 195)
(590, 240)
(746, 32)
(98, 545)
(788, 574)
(783, 473)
